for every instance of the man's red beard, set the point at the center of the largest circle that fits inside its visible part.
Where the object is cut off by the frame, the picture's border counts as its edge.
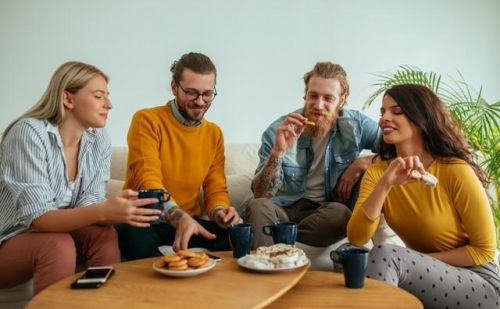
(323, 125)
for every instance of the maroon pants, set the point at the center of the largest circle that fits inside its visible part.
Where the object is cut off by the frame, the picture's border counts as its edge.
(49, 257)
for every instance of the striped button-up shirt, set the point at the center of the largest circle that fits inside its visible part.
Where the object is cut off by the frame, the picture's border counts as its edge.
(34, 177)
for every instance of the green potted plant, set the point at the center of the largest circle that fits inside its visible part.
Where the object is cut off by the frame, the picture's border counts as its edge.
(479, 119)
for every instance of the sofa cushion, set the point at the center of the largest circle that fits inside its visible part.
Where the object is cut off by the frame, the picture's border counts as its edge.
(384, 234)
(119, 158)
(241, 159)
(114, 187)
(239, 191)
(17, 296)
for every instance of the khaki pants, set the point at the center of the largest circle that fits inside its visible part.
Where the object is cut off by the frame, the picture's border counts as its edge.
(318, 224)
(50, 257)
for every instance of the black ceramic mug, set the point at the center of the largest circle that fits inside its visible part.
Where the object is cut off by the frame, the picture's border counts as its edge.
(354, 263)
(282, 232)
(241, 238)
(160, 194)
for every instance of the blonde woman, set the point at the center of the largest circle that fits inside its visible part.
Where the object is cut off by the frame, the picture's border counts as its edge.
(54, 165)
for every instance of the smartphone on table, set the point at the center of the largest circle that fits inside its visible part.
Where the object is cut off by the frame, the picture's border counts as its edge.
(93, 277)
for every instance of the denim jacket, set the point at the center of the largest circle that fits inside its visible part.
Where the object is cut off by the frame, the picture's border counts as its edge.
(352, 132)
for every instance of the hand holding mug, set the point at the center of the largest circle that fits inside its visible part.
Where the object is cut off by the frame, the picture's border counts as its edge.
(161, 195)
(126, 208)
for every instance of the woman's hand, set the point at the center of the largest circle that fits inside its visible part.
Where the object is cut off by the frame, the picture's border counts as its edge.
(127, 208)
(399, 170)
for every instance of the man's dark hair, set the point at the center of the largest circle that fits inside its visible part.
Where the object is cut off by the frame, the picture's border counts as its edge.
(196, 62)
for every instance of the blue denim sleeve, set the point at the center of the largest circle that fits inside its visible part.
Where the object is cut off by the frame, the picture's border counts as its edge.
(370, 133)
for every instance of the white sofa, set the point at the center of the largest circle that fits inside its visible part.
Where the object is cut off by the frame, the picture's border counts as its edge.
(241, 161)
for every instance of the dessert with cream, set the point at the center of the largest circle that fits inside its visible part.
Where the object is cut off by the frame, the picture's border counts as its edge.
(278, 256)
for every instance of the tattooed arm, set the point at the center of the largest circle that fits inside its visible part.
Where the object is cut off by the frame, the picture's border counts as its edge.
(265, 183)
(173, 215)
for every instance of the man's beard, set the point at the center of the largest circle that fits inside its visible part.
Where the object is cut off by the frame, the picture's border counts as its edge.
(183, 108)
(322, 127)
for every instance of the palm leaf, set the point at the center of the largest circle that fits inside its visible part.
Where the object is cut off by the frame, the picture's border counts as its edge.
(405, 74)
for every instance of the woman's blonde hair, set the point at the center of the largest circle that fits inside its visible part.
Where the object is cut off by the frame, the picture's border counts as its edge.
(70, 76)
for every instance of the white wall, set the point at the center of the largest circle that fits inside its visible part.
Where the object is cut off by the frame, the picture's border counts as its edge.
(261, 48)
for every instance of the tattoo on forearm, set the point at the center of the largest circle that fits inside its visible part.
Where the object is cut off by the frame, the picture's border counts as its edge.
(266, 182)
(173, 214)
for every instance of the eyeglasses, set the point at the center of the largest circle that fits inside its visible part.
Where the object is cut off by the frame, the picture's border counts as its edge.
(193, 95)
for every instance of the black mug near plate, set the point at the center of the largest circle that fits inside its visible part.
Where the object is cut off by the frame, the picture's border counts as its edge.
(282, 232)
(354, 262)
(160, 194)
(241, 238)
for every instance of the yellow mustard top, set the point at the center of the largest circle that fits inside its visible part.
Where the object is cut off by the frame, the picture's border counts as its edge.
(453, 214)
(164, 153)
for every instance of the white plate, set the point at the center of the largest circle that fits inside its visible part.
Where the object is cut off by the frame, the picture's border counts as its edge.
(272, 270)
(185, 273)
(167, 250)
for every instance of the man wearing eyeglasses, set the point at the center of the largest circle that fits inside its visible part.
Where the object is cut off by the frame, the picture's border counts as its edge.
(309, 164)
(172, 147)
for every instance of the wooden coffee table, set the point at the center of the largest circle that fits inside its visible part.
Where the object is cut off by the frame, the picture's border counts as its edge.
(136, 285)
(318, 289)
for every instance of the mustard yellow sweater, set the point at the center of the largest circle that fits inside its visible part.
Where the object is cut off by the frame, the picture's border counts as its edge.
(163, 153)
(456, 213)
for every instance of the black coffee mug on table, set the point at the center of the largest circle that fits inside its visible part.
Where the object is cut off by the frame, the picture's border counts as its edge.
(241, 238)
(160, 194)
(354, 263)
(282, 232)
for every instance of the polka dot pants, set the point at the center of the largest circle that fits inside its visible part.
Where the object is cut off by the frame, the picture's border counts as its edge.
(435, 283)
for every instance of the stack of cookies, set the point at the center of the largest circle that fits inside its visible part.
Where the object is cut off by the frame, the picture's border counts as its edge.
(184, 260)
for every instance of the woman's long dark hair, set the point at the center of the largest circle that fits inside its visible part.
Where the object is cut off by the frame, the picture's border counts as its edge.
(442, 137)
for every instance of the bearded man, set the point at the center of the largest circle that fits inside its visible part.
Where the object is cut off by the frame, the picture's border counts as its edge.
(174, 148)
(309, 162)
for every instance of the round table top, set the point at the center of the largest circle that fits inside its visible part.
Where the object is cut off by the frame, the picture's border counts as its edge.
(136, 285)
(326, 289)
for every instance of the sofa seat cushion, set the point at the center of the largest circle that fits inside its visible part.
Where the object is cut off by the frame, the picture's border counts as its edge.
(114, 187)
(239, 191)
(17, 296)
(241, 158)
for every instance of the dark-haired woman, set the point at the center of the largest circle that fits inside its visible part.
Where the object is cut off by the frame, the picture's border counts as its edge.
(448, 228)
